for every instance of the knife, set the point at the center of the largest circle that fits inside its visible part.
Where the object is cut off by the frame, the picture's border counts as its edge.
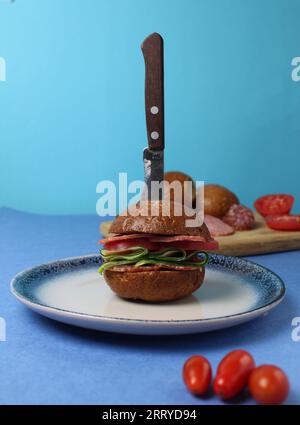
(153, 51)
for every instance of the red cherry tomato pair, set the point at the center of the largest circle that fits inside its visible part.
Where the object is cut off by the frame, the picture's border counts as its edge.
(267, 384)
(232, 374)
(276, 209)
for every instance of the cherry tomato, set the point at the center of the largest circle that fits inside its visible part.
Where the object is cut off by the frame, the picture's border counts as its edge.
(284, 222)
(197, 374)
(233, 373)
(268, 384)
(274, 204)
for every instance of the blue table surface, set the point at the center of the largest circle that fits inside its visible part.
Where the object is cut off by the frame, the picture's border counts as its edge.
(46, 362)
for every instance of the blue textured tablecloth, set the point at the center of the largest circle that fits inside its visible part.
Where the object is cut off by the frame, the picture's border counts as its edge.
(45, 362)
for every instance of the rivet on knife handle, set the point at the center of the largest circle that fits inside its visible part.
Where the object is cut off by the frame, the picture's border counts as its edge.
(153, 51)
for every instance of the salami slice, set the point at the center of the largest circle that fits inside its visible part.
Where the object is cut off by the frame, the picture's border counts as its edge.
(210, 245)
(117, 238)
(153, 238)
(239, 217)
(177, 238)
(217, 227)
(153, 267)
(156, 242)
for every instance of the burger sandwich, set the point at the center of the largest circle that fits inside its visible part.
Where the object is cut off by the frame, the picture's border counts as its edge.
(157, 257)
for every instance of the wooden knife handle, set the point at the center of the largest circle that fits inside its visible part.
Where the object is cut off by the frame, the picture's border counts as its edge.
(153, 51)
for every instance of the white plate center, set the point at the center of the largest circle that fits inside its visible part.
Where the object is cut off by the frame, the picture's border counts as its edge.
(222, 294)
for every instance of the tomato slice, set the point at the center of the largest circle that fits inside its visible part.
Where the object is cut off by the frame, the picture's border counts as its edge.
(284, 222)
(274, 204)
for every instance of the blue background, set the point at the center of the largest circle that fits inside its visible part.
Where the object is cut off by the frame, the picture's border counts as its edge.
(72, 108)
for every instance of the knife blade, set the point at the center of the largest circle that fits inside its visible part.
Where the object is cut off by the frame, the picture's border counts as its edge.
(154, 172)
(153, 155)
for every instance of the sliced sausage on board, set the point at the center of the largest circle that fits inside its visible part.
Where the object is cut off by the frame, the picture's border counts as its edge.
(217, 227)
(239, 217)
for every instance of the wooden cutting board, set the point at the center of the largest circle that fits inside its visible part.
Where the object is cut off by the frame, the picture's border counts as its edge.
(260, 240)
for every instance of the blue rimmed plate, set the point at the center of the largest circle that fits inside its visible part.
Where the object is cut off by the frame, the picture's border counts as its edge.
(71, 290)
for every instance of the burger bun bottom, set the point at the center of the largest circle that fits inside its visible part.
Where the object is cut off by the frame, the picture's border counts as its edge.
(156, 285)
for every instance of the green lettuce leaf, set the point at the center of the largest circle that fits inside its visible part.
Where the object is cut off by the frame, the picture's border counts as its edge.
(139, 256)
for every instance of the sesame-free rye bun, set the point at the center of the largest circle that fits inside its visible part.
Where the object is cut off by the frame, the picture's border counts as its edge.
(159, 224)
(218, 199)
(156, 285)
(181, 178)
